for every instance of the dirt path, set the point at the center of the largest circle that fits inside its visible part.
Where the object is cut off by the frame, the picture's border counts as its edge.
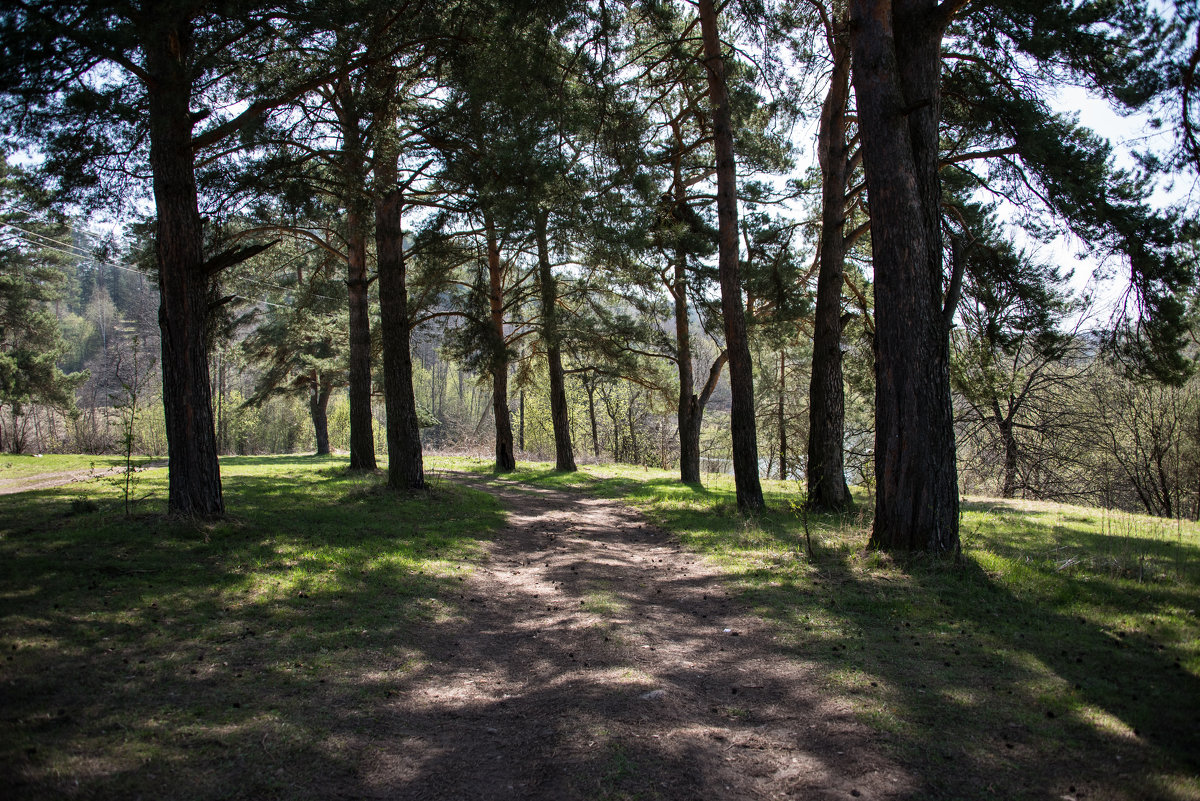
(57, 479)
(601, 661)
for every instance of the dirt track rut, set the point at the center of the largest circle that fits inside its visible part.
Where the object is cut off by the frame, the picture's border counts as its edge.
(600, 660)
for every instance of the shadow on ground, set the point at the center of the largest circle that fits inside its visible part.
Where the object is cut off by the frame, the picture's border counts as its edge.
(323, 644)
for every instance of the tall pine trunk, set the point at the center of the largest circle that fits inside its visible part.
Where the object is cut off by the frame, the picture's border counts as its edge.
(1005, 425)
(741, 371)
(827, 490)
(897, 65)
(564, 452)
(505, 459)
(590, 387)
(353, 184)
(318, 410)
(405, 466)
(781, 420)
(362, 437)
(689, 412)
(194, 476)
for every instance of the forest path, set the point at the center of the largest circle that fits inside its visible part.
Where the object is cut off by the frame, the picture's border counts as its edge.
(600, 660)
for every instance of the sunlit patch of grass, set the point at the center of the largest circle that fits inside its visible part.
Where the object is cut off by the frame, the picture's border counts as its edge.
(603, 601)
(24, 465)
(161, 648)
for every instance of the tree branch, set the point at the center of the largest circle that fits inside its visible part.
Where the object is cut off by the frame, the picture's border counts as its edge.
(232, 256)
(974, 155)
(714, 375)
(89, 44)
(257, 109)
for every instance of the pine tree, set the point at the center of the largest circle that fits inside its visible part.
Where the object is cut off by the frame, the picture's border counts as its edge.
(741, 373)
(1009, 342)
(827, 488)
(898, 76)
(31, 343)
(501, 139)
(299, 341)
(107, 88)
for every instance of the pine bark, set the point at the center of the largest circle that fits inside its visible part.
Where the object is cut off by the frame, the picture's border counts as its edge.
(741, 372)
(564, 451)
(318, 410)
(689, 412)
(362, 436)
(1004, 424)
(897, 63)
(406, 469)
(781, 419)
(827, 490)
(505, 459)
(193, 475)
(353, 178)
(590, 386)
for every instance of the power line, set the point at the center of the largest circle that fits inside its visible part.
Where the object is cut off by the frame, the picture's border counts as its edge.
(69, 249)
(76, 251)
(42, 236)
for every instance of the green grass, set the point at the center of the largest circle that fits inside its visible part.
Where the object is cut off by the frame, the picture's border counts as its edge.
(1062, 651)
(22, 466)
(153, 652)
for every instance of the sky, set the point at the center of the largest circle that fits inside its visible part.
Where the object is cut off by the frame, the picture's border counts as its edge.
(1127, 134)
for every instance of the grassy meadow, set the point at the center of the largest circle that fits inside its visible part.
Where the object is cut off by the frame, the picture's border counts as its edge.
(1059, 657)
(147, 652)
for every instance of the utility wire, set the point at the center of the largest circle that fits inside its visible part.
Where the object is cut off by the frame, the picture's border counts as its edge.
(69, 249)
(86, 255)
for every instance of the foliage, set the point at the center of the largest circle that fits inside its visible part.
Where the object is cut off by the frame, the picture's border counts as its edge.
(1004, 62)
(128, 405)
(31, 342)
(593, 120)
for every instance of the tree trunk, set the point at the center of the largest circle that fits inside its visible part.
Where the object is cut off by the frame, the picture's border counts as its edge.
(827, 490)
(782, 418)
(318, 409)
(193, 474)
(897, 65)
(1005, 427)
(505, 460)
(353, 177)
(219, 405)
(405, 467)
(1196, 506)
(741, 371)
(17, 430)
(689, 409)
(1010, 462)
(362, 437)
(564, 451)
(591, 393)
(689, 413)
(634, 456)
